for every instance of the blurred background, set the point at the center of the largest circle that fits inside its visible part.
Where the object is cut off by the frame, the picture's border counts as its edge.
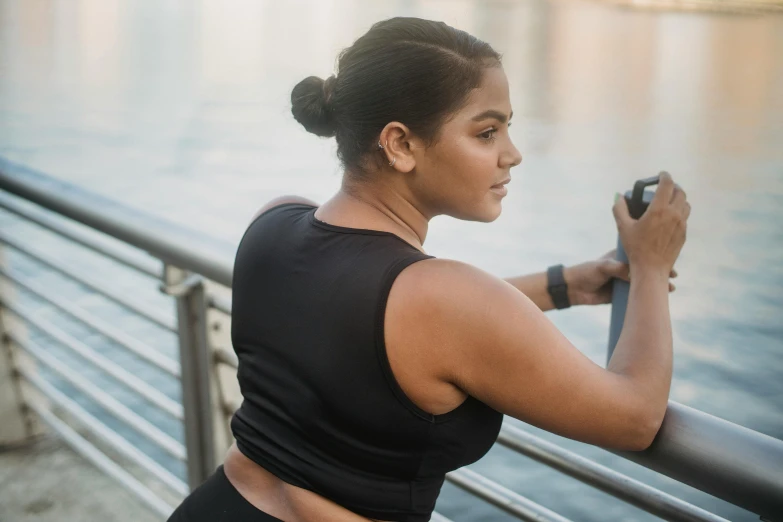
(182, 109)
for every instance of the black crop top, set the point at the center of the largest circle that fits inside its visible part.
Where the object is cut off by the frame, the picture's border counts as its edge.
(322, 409)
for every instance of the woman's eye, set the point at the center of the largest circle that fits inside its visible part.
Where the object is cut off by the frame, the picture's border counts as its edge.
(488, 135)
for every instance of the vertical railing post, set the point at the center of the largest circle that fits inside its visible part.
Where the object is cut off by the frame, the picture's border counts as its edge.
(17, 423)
(188, 289)
(226, 395)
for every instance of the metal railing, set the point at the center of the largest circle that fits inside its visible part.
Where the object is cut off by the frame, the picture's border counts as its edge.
(728, 461)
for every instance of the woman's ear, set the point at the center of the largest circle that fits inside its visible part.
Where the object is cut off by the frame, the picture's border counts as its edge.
(398, 144)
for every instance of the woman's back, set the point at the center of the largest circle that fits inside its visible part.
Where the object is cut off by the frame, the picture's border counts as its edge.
(322, 409)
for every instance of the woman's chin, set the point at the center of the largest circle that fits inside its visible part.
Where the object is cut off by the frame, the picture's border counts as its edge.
(484, 211)
(489, 213)
(493, 208)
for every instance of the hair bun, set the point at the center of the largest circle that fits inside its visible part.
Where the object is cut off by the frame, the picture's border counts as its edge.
(310, 105)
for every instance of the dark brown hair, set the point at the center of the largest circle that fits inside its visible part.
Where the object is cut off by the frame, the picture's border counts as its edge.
(410, 70)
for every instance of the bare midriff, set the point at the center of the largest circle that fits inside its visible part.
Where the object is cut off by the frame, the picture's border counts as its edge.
(278, 498)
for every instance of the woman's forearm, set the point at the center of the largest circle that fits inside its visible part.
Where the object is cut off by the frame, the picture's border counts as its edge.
(644, 349)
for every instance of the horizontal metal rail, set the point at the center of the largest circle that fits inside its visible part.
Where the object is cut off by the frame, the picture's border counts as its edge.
(170, 243)
(225, 356)
(144, 351)
(107, 292)
(718, 457)
(144, 389)
(103, 462)
(221, 304)
(106, 434)
(148, 266)
(109, 403)
(621, 486)
(501, 497)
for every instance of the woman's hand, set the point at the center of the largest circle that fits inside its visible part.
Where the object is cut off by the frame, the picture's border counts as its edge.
(590, 283)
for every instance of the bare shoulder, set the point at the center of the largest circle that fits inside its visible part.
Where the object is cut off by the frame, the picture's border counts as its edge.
(448, 306)
(430, 309)
(458, 296)
(282, 200)
(446, 287)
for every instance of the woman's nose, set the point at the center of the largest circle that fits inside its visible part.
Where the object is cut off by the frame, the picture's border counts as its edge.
(512, 158)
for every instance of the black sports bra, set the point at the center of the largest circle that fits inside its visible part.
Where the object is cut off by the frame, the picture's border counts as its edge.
(322, 409)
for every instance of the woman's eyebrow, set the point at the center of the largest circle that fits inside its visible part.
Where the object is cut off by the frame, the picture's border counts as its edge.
(493, 114)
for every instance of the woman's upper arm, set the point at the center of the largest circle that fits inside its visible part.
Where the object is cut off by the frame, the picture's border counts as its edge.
(484, 336)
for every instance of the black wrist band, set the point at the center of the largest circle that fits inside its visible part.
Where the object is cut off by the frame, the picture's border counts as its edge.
(557, 287)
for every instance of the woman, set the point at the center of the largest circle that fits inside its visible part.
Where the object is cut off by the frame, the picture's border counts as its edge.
(369, 369)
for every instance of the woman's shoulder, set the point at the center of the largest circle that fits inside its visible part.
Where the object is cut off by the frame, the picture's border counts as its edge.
(443, 280)
(440, 315)
(440, 296)
(283, 200)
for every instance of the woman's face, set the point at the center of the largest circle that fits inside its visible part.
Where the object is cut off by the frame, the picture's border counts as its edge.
(456, 174)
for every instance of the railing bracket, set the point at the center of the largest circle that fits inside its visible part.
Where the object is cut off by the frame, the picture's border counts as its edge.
(183, 287)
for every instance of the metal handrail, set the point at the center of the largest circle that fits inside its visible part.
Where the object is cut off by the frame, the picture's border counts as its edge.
(166, 241)
(716, 456)
(224, 356)
(147, 266)
(502, 497)
(130, 343)
(721, 458)
(109, 436)
(109, 293)
(101, 461)
(106, 401)
(616, 484)
(221, 304)
(150, 393)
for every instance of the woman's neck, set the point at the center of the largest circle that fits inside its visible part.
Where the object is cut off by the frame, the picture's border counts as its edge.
(378, 207)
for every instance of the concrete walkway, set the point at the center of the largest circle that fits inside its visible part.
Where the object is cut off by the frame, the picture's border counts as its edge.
(45, 481)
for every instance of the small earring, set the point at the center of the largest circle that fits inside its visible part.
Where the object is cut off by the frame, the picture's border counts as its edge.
(394, 159)
(381, 147)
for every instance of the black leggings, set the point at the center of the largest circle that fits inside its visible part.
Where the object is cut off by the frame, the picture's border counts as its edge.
(217, 500)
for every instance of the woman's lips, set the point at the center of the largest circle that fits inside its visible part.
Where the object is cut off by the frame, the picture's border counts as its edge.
(500, 188)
